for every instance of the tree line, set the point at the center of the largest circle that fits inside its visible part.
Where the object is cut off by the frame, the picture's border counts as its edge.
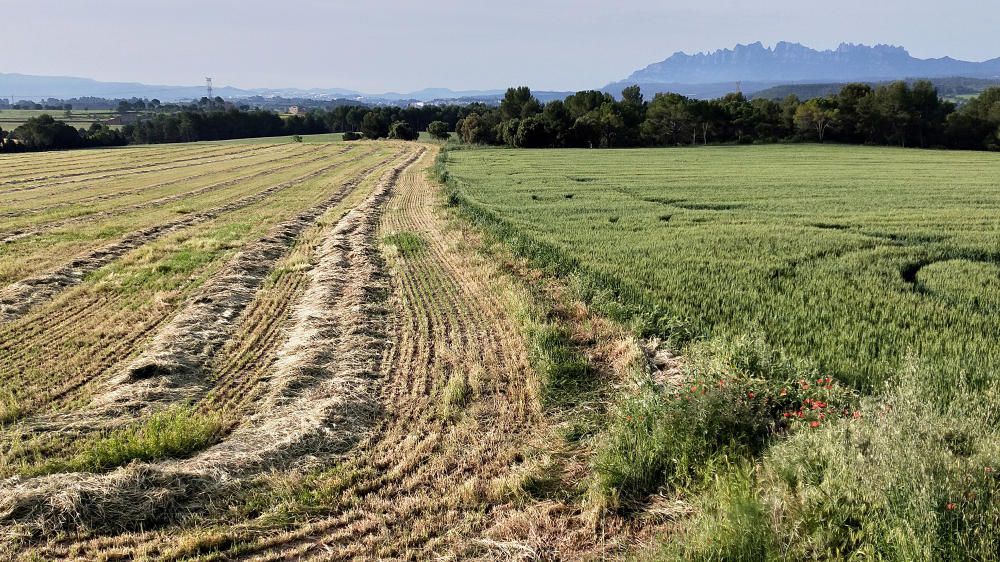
(891, 114)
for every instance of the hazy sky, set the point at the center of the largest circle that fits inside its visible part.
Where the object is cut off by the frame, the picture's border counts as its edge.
(403, 45)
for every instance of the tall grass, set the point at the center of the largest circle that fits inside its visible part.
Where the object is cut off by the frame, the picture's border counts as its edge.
(819, 249)
(174, 433)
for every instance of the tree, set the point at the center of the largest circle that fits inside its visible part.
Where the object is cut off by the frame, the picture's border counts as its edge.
(532, 133)
(438, 130)
(45, 133)
(373, 126)
(668, 121)
(518, 103)
(813, 116)
(401, 130)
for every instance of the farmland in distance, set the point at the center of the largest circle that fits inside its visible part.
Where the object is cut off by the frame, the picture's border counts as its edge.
(856, 260)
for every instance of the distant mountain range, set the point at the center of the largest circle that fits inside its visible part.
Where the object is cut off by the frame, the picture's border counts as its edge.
(29, 87)
(792, 62)
(752, 68)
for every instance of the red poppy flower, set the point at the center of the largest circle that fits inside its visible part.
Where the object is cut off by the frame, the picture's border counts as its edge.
(950, 506)
(814, 424)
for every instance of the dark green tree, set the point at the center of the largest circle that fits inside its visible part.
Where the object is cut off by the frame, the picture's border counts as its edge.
(401, 130)
(438, 130)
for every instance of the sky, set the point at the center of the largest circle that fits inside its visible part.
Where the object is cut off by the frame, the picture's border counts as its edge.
(378, 46)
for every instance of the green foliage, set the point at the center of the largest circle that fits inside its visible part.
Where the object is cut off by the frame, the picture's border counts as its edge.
(849, 264)
(374, 126)
(732, 522)
(564, 373)
(734, 400)
(908, 480)
(296, 138)
(401, 130)
(352, 136)
(173, 433)
(438, 130)
(406, 243)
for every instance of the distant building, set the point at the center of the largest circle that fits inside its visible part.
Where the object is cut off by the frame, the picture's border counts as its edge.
(295, 110)
(122, 119)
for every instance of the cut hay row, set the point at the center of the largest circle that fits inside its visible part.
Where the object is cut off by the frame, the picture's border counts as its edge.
(19, 297)
(42, 162)
(458, 406)
(143, 166)
(248, 355)
(38, 228)
(319, 402)
(103, 191)
(441, 476)
(34, 164)
(174, 367)
(46, 358)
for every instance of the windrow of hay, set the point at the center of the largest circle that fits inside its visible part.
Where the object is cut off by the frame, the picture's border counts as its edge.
(108, 173)
(320, 400)
(99, 191)
(172, 368)
(16, 299)
(37, 229)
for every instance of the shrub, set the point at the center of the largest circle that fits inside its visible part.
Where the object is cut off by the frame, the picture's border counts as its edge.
(908, 480)
(401, 130)
(352, 136)
(729, 407)
(296, 138)
(438, 130)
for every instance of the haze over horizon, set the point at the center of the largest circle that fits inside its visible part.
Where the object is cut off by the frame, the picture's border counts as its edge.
(394, 45)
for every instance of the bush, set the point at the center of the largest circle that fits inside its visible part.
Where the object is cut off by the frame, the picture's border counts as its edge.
(352, 136)
(438, 130)
(296, 138)
(401, 130)
(737, 398)
(908, 480)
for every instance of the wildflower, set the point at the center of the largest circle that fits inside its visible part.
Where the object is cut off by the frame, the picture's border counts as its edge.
(950, 506)
(814, 424)
(751, 395)
(694, 388)
(857, 415)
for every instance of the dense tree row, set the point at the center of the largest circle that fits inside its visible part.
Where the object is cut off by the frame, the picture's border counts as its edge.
(46, 133)
(892, 114)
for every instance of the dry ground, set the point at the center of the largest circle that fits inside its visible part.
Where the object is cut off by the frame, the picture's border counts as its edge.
(364, 364)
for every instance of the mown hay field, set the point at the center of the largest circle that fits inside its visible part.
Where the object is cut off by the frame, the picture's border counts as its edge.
(269, 350)
(856, 260)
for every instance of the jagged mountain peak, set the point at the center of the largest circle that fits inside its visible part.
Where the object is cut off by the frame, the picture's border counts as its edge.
(788, 61)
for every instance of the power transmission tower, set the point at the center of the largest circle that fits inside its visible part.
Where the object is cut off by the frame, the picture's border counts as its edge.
(208, 88)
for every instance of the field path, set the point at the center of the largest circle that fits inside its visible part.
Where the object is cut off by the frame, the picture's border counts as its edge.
(399, 381)
(420, 487)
